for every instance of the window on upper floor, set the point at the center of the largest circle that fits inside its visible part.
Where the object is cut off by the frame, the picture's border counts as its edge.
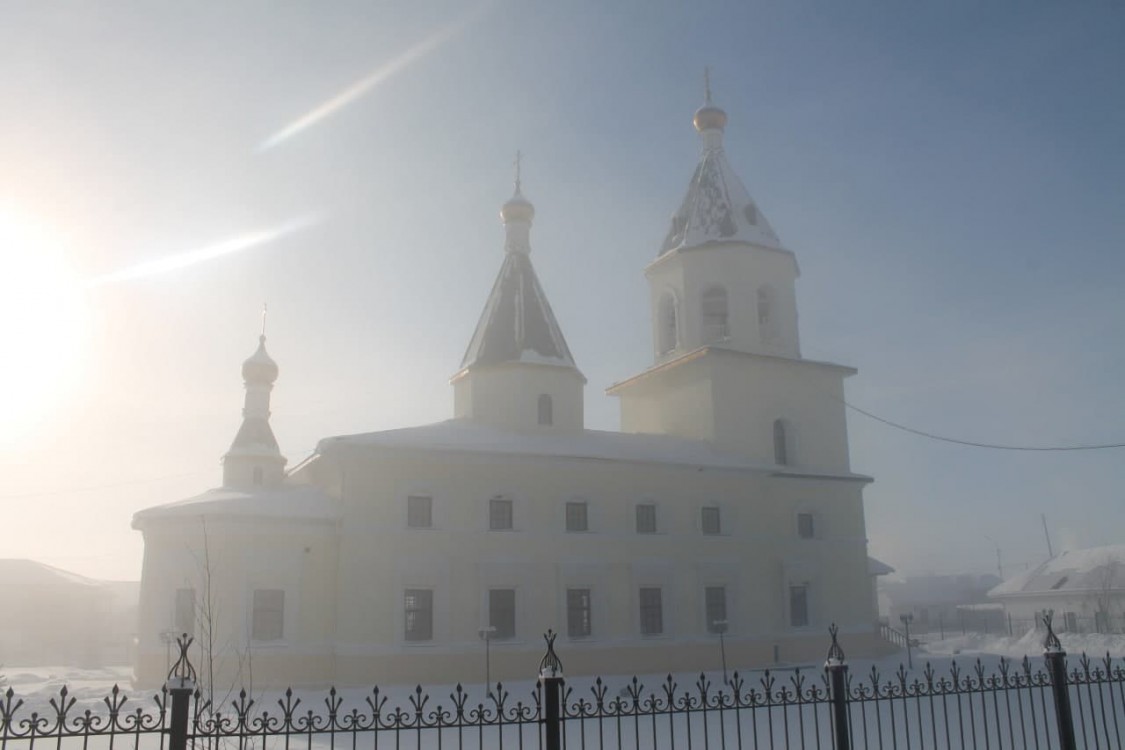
(709, 519)
(805, 528)
(577, 517)
(267, 620)
(500, 514)
(502, 613)
(780, 443)
(579, 620)
(799, 605)
(419, 511)
(418, 608)
(183, 619)
(715, 608)
(546, 415)
(667, 331)
(646, 518)
(652, 611)
(766, 313)
(715, 320)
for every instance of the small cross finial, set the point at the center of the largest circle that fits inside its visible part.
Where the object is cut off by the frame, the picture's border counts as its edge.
(265, 309)
(707, 84)
(519, 158)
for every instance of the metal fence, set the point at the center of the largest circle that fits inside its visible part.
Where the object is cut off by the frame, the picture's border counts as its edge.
(1015, 705)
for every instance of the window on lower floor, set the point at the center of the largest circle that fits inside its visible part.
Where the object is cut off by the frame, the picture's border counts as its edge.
(183, 619)
(799, 605)
(578, 613)
(715, 603)
(502, 613)
(652, 611)
(709, 520)
(500, 514)
(646, 518)
(805, 525)
(419, 511)
(418, 606)
(267, 622)
(577, 518)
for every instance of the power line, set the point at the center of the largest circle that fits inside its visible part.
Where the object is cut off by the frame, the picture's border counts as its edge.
(974, 444)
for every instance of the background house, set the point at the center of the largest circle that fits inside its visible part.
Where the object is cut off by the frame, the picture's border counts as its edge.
(1084, 588)
(939, 602)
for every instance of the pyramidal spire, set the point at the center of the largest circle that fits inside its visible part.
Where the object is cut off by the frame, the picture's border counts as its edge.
(517, 324)
(717, 207)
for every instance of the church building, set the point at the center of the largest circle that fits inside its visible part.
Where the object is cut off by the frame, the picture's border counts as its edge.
(725, 508)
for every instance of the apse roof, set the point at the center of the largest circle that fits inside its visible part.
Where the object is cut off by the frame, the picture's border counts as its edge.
(517, 324)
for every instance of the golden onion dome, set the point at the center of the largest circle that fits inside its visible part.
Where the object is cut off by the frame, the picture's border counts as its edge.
(517, 208)
(709, 117)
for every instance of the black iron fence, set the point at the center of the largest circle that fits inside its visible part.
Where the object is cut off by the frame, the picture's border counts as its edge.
(1011, 705)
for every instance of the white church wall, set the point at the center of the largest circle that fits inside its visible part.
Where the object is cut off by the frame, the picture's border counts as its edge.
(507, 396)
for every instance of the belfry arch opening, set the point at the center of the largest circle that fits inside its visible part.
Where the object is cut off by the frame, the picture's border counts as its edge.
(716, 320)
(667, 335)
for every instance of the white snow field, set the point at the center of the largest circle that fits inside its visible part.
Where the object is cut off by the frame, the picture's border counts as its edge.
(916, 708)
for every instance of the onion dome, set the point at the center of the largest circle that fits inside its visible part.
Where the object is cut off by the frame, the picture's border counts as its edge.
(517, 208)
(260, 367)
(709, 117)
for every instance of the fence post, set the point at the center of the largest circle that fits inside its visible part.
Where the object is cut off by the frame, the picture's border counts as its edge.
(837, 668)
(1056, 666)
(180, 684)
(551, 679)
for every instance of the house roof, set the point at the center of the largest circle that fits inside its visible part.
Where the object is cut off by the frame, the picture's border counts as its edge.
(23, 572)
(468, 436)
(1082, 570)
(300, 502)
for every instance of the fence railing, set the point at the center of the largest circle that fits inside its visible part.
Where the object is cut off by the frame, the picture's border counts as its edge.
(1014, 705)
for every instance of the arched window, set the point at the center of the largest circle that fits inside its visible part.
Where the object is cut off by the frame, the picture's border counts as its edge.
(715, 320)
(667, 330)
(766, 323)
(780, 443)
(546, 415)
(258, 476)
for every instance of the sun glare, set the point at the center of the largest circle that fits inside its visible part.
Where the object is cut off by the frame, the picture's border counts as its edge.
(43, 326)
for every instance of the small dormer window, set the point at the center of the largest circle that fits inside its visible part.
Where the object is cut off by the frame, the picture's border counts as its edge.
(667, 333)
(546, 410)
(715, 319)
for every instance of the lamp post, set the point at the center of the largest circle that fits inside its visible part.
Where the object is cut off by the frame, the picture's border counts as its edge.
(906, 620)
(486, 635)
(720, 627)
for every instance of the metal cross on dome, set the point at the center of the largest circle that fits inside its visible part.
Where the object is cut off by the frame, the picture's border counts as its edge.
(519, 158)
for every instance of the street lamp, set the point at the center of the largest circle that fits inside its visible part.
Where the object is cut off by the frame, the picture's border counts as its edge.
(906, 620)
(486, 635)
(720, 627)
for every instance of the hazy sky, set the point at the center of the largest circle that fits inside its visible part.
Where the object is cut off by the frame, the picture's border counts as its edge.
(950, 178)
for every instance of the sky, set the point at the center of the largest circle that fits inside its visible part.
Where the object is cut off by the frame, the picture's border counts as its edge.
(950, 176)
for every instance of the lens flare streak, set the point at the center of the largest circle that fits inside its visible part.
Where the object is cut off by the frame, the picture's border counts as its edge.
(190, 258)
(364, 85)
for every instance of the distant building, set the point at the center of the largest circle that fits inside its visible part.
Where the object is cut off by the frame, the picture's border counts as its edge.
(1085, 589)
(725, 505)
(53, 617)
(940, 602)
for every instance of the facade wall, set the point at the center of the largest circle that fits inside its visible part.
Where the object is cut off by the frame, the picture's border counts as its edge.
(507, 396)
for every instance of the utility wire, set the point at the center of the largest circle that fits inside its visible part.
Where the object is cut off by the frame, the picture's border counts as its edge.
(973, 444)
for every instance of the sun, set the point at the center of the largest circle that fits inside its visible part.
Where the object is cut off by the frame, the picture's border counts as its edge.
(43, 326)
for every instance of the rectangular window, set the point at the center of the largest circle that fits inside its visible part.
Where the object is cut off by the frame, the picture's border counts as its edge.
(184, 618)
(419, 611)
(576, 517)
(502, 612)
(267, 622)
(715, 602)
(646, 518)
(805, 525)
(799, 606)
(578, 616)
(710, 520)
(652, 612)
(419, 511)
(500, 514)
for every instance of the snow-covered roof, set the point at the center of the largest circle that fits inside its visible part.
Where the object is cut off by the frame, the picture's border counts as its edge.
(468, 436)
(1082, 570)
(717, 207)
(300, 502)
(22, 572)
(517, 324)
(878, 567)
